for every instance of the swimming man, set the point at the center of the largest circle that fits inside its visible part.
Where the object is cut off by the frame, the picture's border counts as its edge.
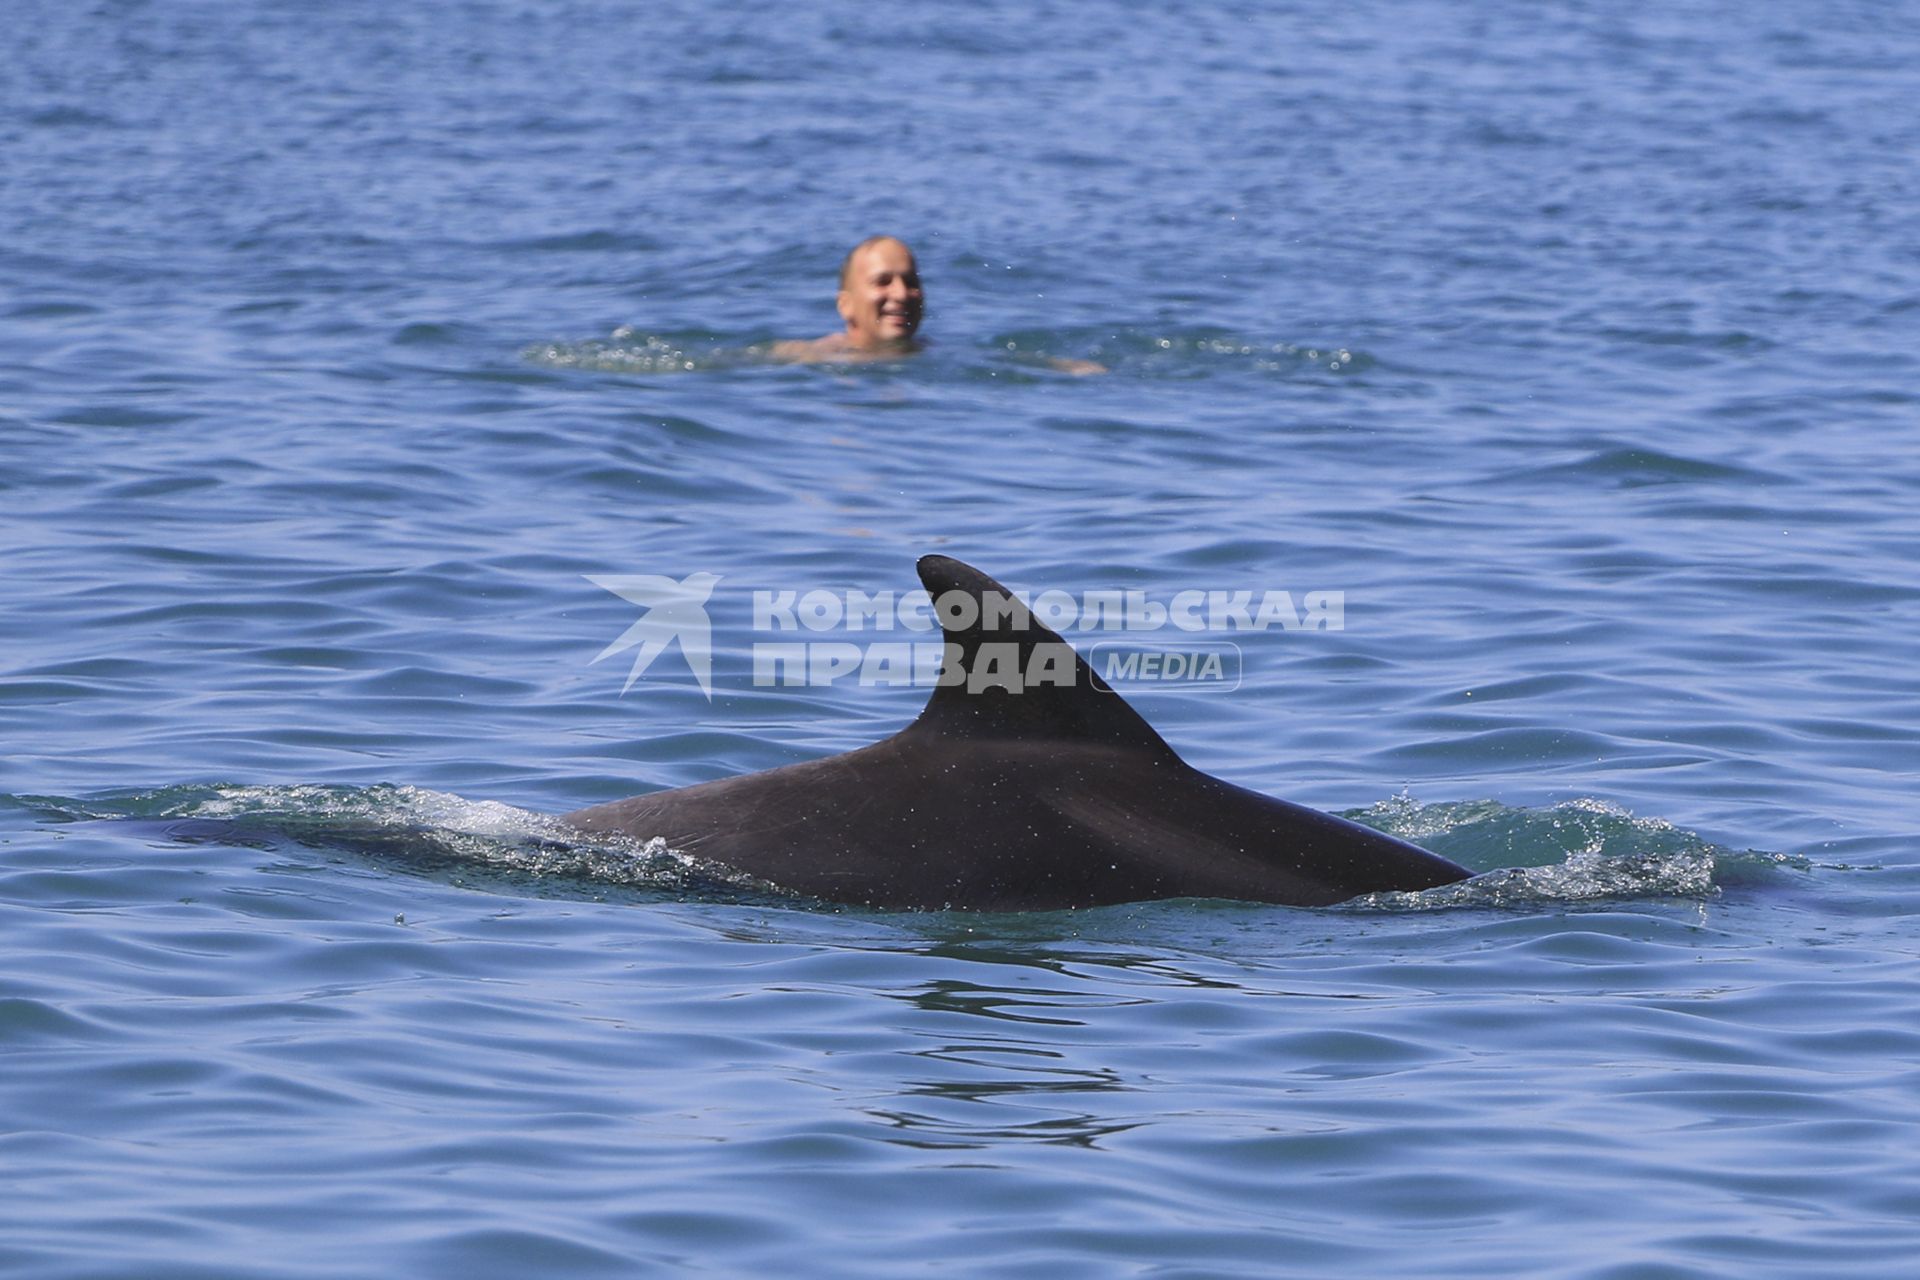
(882, 302)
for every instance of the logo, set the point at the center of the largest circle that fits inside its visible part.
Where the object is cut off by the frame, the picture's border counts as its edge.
(821, 643)
(1184, 666)
(676, 611)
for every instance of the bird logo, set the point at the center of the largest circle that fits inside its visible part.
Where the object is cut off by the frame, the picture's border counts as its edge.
(674, 611)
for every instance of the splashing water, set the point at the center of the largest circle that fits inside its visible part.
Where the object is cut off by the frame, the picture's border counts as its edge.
(627, 351)
(1605, 853)
(424, 831)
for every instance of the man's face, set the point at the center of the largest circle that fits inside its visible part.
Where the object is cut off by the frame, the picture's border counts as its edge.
(882, 301)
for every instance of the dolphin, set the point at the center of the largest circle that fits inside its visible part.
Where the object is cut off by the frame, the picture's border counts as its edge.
(1026, 783)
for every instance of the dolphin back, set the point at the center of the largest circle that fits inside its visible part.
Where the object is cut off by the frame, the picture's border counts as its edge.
(1014, 794)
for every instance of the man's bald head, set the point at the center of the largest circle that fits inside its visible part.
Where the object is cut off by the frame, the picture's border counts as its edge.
(852, 259)
(880, 295)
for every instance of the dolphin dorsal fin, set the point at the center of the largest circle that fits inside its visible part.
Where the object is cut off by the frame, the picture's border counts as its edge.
(995, 648)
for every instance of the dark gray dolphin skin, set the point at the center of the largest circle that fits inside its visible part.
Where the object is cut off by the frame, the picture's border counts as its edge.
(1049, 796)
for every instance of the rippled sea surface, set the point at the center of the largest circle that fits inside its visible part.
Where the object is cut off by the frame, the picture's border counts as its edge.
(341, 345)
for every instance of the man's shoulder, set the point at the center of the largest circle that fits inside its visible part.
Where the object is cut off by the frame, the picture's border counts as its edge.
(834, 344)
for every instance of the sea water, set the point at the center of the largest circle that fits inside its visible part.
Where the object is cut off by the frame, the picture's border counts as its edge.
(1571, 347)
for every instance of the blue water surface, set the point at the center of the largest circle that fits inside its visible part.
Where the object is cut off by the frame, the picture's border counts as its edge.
(341, 345)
